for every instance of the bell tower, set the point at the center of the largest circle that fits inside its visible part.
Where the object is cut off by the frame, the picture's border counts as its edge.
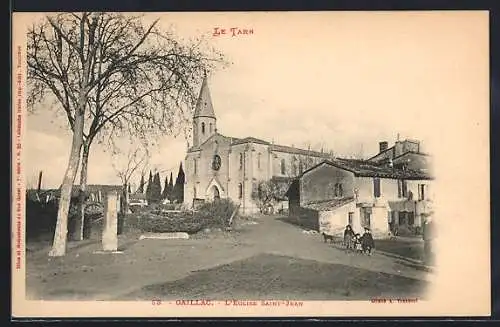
(204, 121)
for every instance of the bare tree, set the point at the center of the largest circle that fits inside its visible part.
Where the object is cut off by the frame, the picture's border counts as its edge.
(112, 77)
(135, 160)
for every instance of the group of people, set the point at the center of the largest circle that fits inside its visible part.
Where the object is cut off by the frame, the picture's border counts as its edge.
(358, 243)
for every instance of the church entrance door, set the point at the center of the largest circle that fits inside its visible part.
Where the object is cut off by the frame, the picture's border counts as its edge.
(216, 193)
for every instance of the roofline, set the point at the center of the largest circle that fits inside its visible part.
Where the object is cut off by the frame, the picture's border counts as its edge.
(412, 152)
(356, 174)
(311, 152)
(313, 167)
(214, 134)
(391, 148)
(250, 139)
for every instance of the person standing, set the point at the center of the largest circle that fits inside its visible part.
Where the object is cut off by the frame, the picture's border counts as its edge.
(348, 237)
(367, 242)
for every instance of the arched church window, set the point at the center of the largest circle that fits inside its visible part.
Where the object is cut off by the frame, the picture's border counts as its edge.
(258, 160)
(202, 128)
(240, 191)
(195, 166)
(294, 169)
(210, 128)
(301, 167)
(194, 192)
(283, 168)
(241, 160)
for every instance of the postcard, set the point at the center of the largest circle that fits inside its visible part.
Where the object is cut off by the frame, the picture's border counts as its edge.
(250, 164)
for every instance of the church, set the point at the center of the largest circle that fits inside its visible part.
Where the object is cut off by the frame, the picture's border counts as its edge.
(220, 166)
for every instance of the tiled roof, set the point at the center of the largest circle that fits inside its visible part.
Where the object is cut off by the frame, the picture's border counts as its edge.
(289, 149)
(329, 204)
(363, 168)
(409, 153)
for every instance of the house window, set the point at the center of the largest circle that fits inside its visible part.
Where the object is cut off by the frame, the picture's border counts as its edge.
(283, 170)
(338, 191)
(241, 161)
(366, 217)
(195, 166)
(402, 218)
(240, 191)
(350, 218)
(258, 160)
(376, 187)
(402, 189)
(421, 192)
(411, 218)
(202, 128)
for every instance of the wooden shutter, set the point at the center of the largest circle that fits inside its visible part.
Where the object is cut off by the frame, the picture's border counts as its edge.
(376, 187)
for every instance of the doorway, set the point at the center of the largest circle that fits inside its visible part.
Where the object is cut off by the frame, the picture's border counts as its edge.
(216, 193)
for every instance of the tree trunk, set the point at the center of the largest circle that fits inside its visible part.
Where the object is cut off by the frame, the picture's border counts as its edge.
(78, 234)
(126, 198)
(60, 235)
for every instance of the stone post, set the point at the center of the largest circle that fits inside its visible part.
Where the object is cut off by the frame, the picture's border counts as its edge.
(379, 223)
(110, 228)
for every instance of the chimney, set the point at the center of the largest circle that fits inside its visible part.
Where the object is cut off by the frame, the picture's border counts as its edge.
(383, 146)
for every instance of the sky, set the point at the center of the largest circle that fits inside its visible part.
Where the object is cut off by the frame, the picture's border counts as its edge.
(343, 80)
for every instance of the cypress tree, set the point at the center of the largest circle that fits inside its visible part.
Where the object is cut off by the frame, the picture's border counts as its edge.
(170, 191)
(141, 185)
(148, 188)
(179, 185)
(156, 188)
(164, 194)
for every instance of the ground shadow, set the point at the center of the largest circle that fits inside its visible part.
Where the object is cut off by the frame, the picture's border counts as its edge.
(294, 221)
(267, 276)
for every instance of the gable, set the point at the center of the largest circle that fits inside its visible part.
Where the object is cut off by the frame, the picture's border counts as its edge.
(327, 171)
(216, 140)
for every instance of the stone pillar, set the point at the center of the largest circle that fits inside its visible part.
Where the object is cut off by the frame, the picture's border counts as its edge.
(110, 228)
(356, 221)
(379, 222)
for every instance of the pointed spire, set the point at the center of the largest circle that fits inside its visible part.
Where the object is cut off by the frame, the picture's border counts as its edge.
(204, 105)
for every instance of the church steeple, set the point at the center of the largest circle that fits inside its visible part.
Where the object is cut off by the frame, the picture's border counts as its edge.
(204, 120)
(204, 107)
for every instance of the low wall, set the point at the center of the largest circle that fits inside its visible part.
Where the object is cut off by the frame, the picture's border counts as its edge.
(333, 222)
(307, 218)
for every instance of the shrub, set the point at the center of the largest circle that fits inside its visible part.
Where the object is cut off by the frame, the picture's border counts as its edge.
(218, 212)
(211, 215)
(165, 224)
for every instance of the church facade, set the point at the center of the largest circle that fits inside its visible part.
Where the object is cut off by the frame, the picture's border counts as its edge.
(220, 166)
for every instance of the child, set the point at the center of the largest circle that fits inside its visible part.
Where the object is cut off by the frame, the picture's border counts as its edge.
(367, 242)
(357, 243)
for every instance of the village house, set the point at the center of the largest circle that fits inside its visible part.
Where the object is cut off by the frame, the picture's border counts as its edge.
(361, 193)
(219, 166)
(406, 154)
